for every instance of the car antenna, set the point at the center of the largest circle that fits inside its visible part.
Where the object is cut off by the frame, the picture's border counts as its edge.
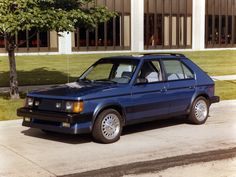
(68, 69)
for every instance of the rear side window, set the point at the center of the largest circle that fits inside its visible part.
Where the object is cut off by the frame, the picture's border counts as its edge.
(187, 73)
(175, 70)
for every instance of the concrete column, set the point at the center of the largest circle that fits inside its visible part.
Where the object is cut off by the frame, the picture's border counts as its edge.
(64, 42)
(137, 25)
(198, 26)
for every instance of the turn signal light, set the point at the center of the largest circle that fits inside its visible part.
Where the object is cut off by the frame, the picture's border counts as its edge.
(78, 107)
(74, 106)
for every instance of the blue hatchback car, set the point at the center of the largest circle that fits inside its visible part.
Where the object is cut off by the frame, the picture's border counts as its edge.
(119, 91)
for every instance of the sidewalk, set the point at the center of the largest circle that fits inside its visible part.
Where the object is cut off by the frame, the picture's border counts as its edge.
(30, 152)
(35, 87)
(224, 78)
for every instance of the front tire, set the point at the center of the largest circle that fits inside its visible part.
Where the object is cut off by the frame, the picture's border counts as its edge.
(199, 111)
(107, 127)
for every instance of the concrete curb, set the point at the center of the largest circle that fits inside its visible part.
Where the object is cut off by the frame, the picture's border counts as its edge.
(224, 78)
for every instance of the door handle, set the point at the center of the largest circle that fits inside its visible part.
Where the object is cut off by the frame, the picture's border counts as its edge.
(191, 87)
(164, 89)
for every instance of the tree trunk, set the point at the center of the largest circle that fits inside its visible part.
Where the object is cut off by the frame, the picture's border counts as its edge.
(14, 92)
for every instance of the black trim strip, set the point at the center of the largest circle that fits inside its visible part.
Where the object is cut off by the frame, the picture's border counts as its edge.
(143, 92)
(177, 88)
(56, 128)
(204, 85)
(181, 80)
(54, 116)
(146, 107)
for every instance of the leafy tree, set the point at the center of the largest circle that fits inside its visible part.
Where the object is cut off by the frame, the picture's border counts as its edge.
(44, 15)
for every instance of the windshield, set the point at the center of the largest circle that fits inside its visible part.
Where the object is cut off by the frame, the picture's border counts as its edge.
(115, 71)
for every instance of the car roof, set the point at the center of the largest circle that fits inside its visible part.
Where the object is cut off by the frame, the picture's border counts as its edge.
(148, 56)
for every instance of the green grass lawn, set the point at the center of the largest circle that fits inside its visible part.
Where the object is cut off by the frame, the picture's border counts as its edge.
(48, 69)
(53, 69)
(226, 89)
(37, 70)
(216, 63)
(8, 108)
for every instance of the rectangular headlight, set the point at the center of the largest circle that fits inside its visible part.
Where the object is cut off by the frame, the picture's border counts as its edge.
(69, 106)
(27, 119)
(74, 106)
(65, 124)
(29, 102)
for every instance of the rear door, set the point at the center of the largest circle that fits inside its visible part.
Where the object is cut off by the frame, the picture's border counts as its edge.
(180, 85)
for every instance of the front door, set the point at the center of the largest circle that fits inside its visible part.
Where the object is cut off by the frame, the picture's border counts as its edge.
(148, 94)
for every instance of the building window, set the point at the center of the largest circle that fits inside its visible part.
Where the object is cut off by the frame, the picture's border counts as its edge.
(112, 35)
(32, 41)
(220, 23)
(167, 24)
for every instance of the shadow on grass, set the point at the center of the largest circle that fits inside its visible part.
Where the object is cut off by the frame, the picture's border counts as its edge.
(6, 96)
(231, 82)
(39, 76)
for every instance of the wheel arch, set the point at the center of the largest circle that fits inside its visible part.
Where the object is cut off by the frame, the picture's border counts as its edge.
(202, 94)
(102, 107)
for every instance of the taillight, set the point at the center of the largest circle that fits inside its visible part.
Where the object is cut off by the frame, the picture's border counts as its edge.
(211, 90)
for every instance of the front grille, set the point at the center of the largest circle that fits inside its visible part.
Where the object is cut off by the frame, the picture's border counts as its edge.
(49, 105)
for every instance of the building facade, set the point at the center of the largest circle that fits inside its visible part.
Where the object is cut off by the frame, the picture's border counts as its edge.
(141, 26)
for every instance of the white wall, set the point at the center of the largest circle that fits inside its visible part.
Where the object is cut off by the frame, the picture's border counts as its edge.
(137, 25)
(137, 33)
(64, 42)
(198, 34)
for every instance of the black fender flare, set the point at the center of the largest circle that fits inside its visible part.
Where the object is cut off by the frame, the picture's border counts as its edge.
(113, 105)
(195, 96)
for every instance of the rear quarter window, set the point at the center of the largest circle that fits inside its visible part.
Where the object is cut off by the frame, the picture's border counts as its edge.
(187, 72)
(176, 70)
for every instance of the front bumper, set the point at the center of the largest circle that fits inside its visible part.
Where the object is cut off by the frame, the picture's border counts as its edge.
(53, 121)
(214, 99)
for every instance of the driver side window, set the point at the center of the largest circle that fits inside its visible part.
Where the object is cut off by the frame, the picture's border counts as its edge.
(150, 72)
(124, 70)
(123, 73)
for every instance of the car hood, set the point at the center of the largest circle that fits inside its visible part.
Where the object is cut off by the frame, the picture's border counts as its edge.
(72, 90)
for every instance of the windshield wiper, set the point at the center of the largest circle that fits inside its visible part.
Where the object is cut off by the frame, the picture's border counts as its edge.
(84, 80)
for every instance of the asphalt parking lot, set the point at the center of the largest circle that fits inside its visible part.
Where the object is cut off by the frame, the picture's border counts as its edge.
(29, 152)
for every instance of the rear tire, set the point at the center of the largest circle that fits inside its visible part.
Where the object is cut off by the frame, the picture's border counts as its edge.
(107, 127)
(199, 111)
